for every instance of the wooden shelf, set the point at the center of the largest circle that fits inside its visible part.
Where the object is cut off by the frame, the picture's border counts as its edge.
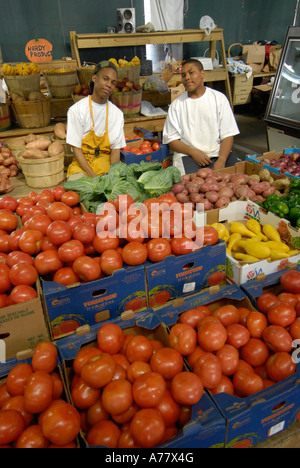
(101, 40)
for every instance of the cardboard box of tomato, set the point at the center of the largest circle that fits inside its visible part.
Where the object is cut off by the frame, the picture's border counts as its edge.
(149, 149)
(252, 419)
(205, 429)
(178, 276)
(90, 303)
(22, 326)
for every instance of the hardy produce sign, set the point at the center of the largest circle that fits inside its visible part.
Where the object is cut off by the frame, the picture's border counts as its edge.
(39, 50)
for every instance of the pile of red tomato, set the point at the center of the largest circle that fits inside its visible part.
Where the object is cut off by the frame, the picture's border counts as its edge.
(241, 351)
(33, 410)
(131, 391)
(59, 242)
(144, 148)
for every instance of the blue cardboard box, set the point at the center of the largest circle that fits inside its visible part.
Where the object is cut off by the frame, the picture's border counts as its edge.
(206, 427)
(273, 155)
(90, 303)
(162, 155)
(184, 275)
(250, 420)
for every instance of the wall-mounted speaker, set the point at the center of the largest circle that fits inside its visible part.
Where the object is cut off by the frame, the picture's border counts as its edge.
(126, 20)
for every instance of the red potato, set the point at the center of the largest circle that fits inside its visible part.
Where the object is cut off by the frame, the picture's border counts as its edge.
(241, 191)
(226, 192)
(238, 179)
(205, 172)
(222, 201)
(212, 196)
(268, 192)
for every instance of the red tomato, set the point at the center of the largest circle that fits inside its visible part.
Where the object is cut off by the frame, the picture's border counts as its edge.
(38, 392)
(243, 313)
(280, 366)
(98, 370)
(83, 356)
(13, 242)
(32, 438)
(9, 203)
(183, 338)
(101, 244)
(247, 383)
(237, 335)
(265, 301)
(183, 245)
(45, 195)
(147, 428)
(39, 222)
(136, 369)
(123, 202)
(85, 233)
(225, 386)
(206, 235)
(3, 301)
(70, 198)
(209, 368)
(58, 386)
(44, 357)
(69, 251)
(290, 281)
(256, 323)
(155, 146)
(288, 298)
(186, 388)
(169, 409)
(47, 262)
(59, 211)
(227, 315)
(84, 396)
(148, 389)
(11, 426)
(110, 261)
(229, 357)
(59, 232)
(22, 293)
(167, 361)
(5, 282)
(110, 338)
(211, 335)
(4, 243)
(23, 273)
(255, 352)
(30, 242)
(58, 193)
(87, 268)
(192, 316)
(60, 423)
(158, 249)
(117, 396)
(138, 348)
(104, 433)
(281, 314)
(17, 377)
(278, 339)
(294, 329)
(66, 276)
(96, 413)
(8, 221)
(134, 253)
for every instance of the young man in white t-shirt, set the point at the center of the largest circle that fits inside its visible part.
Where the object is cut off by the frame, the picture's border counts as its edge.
(96, 126)
(200, 125)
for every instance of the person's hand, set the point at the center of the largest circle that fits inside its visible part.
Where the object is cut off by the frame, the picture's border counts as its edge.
(201, 158)
(218, 165)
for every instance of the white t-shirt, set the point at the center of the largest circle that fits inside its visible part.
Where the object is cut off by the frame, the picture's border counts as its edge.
(201, 123)
(80, 123)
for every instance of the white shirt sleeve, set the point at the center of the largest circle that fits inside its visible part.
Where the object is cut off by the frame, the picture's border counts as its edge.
(172, 125)
(227, 123)
(75, 128)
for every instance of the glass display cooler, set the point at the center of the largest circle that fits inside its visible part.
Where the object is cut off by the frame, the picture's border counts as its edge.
(283, 110)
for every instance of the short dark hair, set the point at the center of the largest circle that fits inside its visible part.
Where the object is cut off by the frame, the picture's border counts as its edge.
(194, 62)
(99, 67)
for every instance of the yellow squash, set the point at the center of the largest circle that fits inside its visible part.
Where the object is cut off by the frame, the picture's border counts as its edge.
(271, 233)
(240, 228)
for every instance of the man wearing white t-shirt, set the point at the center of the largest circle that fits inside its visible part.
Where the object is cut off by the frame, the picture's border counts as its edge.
(96, 127)
(200, 125)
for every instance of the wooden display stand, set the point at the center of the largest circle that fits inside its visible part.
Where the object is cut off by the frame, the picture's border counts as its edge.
(94, 41)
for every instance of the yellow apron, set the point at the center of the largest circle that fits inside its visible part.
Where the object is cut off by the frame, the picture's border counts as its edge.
(95, 149)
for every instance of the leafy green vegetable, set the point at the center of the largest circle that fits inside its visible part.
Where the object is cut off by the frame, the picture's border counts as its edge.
(141, 181)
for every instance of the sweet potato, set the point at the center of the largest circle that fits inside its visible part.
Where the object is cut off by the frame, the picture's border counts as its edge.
(55, 149)
(60, 131)
(40, 143)
(13, 170)
(33, 153)
(30, 137)
(19, 141)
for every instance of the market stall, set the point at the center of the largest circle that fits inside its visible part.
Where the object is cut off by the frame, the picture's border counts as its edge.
(142, 308)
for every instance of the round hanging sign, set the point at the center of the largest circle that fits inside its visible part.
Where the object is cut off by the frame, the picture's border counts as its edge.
(39, 50)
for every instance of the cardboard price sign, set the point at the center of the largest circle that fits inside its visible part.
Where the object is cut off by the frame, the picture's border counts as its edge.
(39, 50)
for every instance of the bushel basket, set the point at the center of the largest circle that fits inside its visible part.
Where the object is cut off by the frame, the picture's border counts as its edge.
(129, 103)
(32, 114)
(41, 173)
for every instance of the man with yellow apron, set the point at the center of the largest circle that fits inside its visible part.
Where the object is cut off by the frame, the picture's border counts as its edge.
(95, 127)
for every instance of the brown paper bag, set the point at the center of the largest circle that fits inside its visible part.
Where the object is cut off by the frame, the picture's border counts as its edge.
(255, 56)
